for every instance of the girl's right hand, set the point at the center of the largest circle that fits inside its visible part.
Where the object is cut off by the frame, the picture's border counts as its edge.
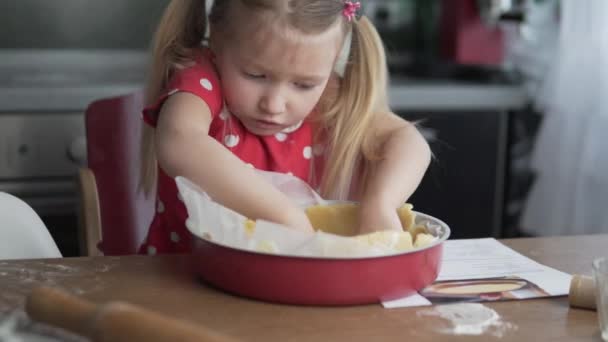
(182, 138)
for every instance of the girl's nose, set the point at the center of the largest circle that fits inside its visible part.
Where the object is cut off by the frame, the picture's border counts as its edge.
(272, 103)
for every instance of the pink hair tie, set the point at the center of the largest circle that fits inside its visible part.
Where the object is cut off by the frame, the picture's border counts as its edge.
(350, 9)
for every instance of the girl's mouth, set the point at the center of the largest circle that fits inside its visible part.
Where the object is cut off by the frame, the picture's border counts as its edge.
(264, 124)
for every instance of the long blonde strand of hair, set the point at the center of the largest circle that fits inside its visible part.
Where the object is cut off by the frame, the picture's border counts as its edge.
(362, 95)
(180, 31)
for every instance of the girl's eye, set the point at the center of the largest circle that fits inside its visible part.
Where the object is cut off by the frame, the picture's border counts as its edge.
(254, 75)
(304, 86)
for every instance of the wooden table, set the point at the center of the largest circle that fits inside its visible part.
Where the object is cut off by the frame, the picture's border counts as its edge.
(164, 284)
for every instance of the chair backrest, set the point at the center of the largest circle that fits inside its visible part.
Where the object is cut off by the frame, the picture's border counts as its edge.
(23, 235)
(113, 128)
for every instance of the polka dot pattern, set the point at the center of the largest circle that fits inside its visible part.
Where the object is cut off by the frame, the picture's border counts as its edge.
(205, 83)
(231, 140)
(289, 151)
(281, 136)
(307, 152)
(224, 115)
(293, 128)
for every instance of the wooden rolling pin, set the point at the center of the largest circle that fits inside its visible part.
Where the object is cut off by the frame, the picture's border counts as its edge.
(582, 292)
(114, 321)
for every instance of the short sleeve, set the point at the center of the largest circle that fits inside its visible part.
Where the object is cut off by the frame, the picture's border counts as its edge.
(200, 79)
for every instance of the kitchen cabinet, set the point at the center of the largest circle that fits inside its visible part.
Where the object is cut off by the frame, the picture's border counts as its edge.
(464, 185)
(43, 98)
(46, 83)
(467, 127)
(40, 154)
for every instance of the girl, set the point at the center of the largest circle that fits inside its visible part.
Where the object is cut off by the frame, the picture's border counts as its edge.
(292, 86)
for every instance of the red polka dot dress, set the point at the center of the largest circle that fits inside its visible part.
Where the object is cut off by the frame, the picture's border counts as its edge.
(290, 151)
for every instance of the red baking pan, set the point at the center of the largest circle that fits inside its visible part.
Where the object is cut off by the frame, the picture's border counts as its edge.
(321, 281)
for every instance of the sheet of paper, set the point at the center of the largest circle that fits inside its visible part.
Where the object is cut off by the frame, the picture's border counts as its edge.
(413, 300)
(472, 259)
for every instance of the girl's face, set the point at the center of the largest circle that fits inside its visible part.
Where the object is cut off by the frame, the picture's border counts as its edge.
(273, 81)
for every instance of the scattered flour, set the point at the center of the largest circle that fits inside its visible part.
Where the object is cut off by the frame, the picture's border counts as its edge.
(470, 319)
(19, 277)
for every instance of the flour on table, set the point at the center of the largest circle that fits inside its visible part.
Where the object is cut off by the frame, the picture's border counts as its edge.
(470, 319)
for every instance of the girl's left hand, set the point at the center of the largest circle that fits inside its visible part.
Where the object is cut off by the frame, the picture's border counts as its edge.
(374, 217)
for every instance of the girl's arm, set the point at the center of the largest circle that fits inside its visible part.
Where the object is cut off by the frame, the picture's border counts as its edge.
(184, 148)
(405, 157)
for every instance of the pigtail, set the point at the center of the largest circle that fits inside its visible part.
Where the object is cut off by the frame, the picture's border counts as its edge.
(180, 31)
(362, 95)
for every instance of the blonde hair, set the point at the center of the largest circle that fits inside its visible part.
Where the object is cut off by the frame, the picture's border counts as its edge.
(345, 112)
(179, 33)
(347, 119)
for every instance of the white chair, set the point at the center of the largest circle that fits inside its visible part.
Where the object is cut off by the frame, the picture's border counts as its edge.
(23, 235)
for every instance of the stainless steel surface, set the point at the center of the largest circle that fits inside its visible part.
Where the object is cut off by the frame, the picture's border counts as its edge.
(48, 196)
(43, 145)
(57, 99)
(43, 96)
(34, 187)
(38, 80)
(56, 57)
(407, 94)
(39, 157)
(67, 80)
(78, 24)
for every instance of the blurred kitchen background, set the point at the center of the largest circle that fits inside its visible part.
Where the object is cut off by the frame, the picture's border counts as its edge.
(480, 77)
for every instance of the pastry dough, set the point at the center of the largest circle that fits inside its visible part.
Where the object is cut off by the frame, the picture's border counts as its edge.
(339, 219)
(342, 219)
(398, 241)
(423, 240)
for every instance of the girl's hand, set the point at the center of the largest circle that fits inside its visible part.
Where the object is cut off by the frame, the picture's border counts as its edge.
(181, 139)
(373, 217)
(296, 218)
